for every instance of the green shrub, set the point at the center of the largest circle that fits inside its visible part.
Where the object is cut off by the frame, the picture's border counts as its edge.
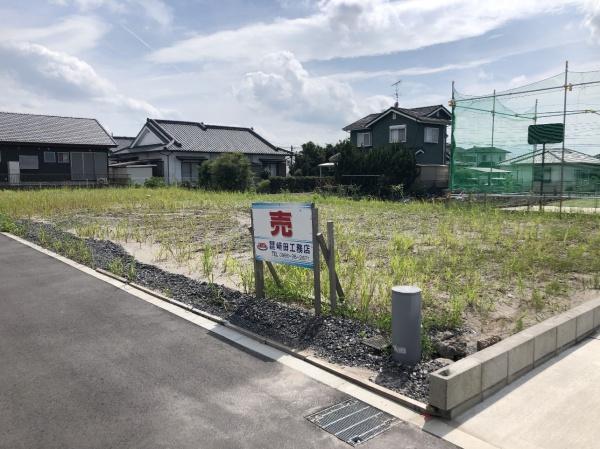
(154, 182)
(377, 170)
(298, 184)
(263, 186)
(7, 224)
(229, 171)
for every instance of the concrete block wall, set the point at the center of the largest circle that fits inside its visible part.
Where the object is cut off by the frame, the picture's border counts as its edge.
(459, 386)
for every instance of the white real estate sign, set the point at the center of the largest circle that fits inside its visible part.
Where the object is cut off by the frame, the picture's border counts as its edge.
(283, 233)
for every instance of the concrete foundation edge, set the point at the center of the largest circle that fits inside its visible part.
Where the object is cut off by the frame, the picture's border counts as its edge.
(457, 387)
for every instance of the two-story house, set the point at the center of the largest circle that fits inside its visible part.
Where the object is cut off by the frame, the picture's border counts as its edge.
(421, 129)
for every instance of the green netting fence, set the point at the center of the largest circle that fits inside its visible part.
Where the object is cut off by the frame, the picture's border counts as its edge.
(489, 149)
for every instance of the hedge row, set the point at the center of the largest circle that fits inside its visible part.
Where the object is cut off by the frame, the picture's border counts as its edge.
(294, 184)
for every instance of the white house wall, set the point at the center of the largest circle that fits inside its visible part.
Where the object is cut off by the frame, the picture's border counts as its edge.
(172, 163)
(147, 137)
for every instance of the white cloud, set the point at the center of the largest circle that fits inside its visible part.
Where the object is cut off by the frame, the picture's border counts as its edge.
(282, 85)
(58, 75)
(353, 28)
(72, 35)
(592, 18)
(410, 71)
(156, 10)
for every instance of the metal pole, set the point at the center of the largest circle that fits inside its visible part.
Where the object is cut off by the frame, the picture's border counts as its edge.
(534, 148)
(562, 158)
(493, 115)
(493, 126)
(452, 143)
(316, 261)
(331, 267)
(543, 174)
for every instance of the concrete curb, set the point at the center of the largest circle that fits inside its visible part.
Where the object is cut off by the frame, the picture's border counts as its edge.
(413, 404)
(459, 386)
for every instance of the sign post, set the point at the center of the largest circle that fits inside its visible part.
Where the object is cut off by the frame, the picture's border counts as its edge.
(286, 233)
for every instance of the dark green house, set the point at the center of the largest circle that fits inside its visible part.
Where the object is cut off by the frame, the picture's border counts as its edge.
(421, 129)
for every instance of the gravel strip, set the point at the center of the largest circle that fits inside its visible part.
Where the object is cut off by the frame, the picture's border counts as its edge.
(335, 339)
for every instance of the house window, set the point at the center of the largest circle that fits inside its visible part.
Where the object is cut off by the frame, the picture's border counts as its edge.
(393, 116)
(432, 135)
(189, 171)
(363, 139)
(398, 134)
(62, 158)
(27, 162)
(49, 157)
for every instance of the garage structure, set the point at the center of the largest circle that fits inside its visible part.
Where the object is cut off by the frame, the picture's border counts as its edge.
(45, 149)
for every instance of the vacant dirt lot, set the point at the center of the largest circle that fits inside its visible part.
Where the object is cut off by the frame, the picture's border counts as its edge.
(484, 271)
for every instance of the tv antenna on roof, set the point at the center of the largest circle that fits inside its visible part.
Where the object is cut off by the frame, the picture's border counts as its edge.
(396, 84)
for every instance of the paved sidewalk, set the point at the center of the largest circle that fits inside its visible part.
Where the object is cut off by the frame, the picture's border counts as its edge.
(555, 406)
(84, 364)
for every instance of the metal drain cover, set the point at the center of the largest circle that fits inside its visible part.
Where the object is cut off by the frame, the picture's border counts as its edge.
(352, 421)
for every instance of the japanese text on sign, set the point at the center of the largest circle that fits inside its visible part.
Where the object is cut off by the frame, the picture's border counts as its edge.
(283, 233)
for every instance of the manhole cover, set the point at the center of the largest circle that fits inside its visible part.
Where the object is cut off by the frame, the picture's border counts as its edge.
(352, 421)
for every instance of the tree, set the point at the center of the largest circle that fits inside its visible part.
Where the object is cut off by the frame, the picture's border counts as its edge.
(306, 162)
(392, 165)
(229, 171)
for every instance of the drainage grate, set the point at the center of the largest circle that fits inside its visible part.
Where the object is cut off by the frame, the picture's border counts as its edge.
(352, 421)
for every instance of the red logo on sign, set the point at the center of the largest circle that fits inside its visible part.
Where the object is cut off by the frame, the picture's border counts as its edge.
(281, 222)
(262, 246)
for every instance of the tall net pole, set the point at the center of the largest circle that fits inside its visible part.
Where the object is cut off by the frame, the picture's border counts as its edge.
(452, 143)
(534, 151)
(562, 157)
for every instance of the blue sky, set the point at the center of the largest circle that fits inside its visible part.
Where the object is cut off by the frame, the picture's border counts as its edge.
(294, 70)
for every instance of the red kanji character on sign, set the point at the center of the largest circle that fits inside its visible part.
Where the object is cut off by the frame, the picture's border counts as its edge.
(281, 222)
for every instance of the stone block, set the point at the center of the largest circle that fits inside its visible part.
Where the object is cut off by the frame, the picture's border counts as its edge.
(455, 384)
(520, 355)
(494, 365)
(544, 341)
(566, 329)
(585, 323)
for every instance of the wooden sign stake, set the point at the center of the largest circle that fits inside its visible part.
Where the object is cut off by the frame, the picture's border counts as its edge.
(331, 267)
(325, 250)
(259, 271)
(316, 261)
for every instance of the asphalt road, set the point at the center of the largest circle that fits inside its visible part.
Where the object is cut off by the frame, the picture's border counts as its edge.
(84, 364)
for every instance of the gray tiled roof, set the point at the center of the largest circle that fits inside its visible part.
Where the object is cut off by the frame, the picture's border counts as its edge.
(553, 156)
(418, 114)
(193, 136)
(122, 142)
(361, 123)
(49, 129)
(485, 150)
(426, 110)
